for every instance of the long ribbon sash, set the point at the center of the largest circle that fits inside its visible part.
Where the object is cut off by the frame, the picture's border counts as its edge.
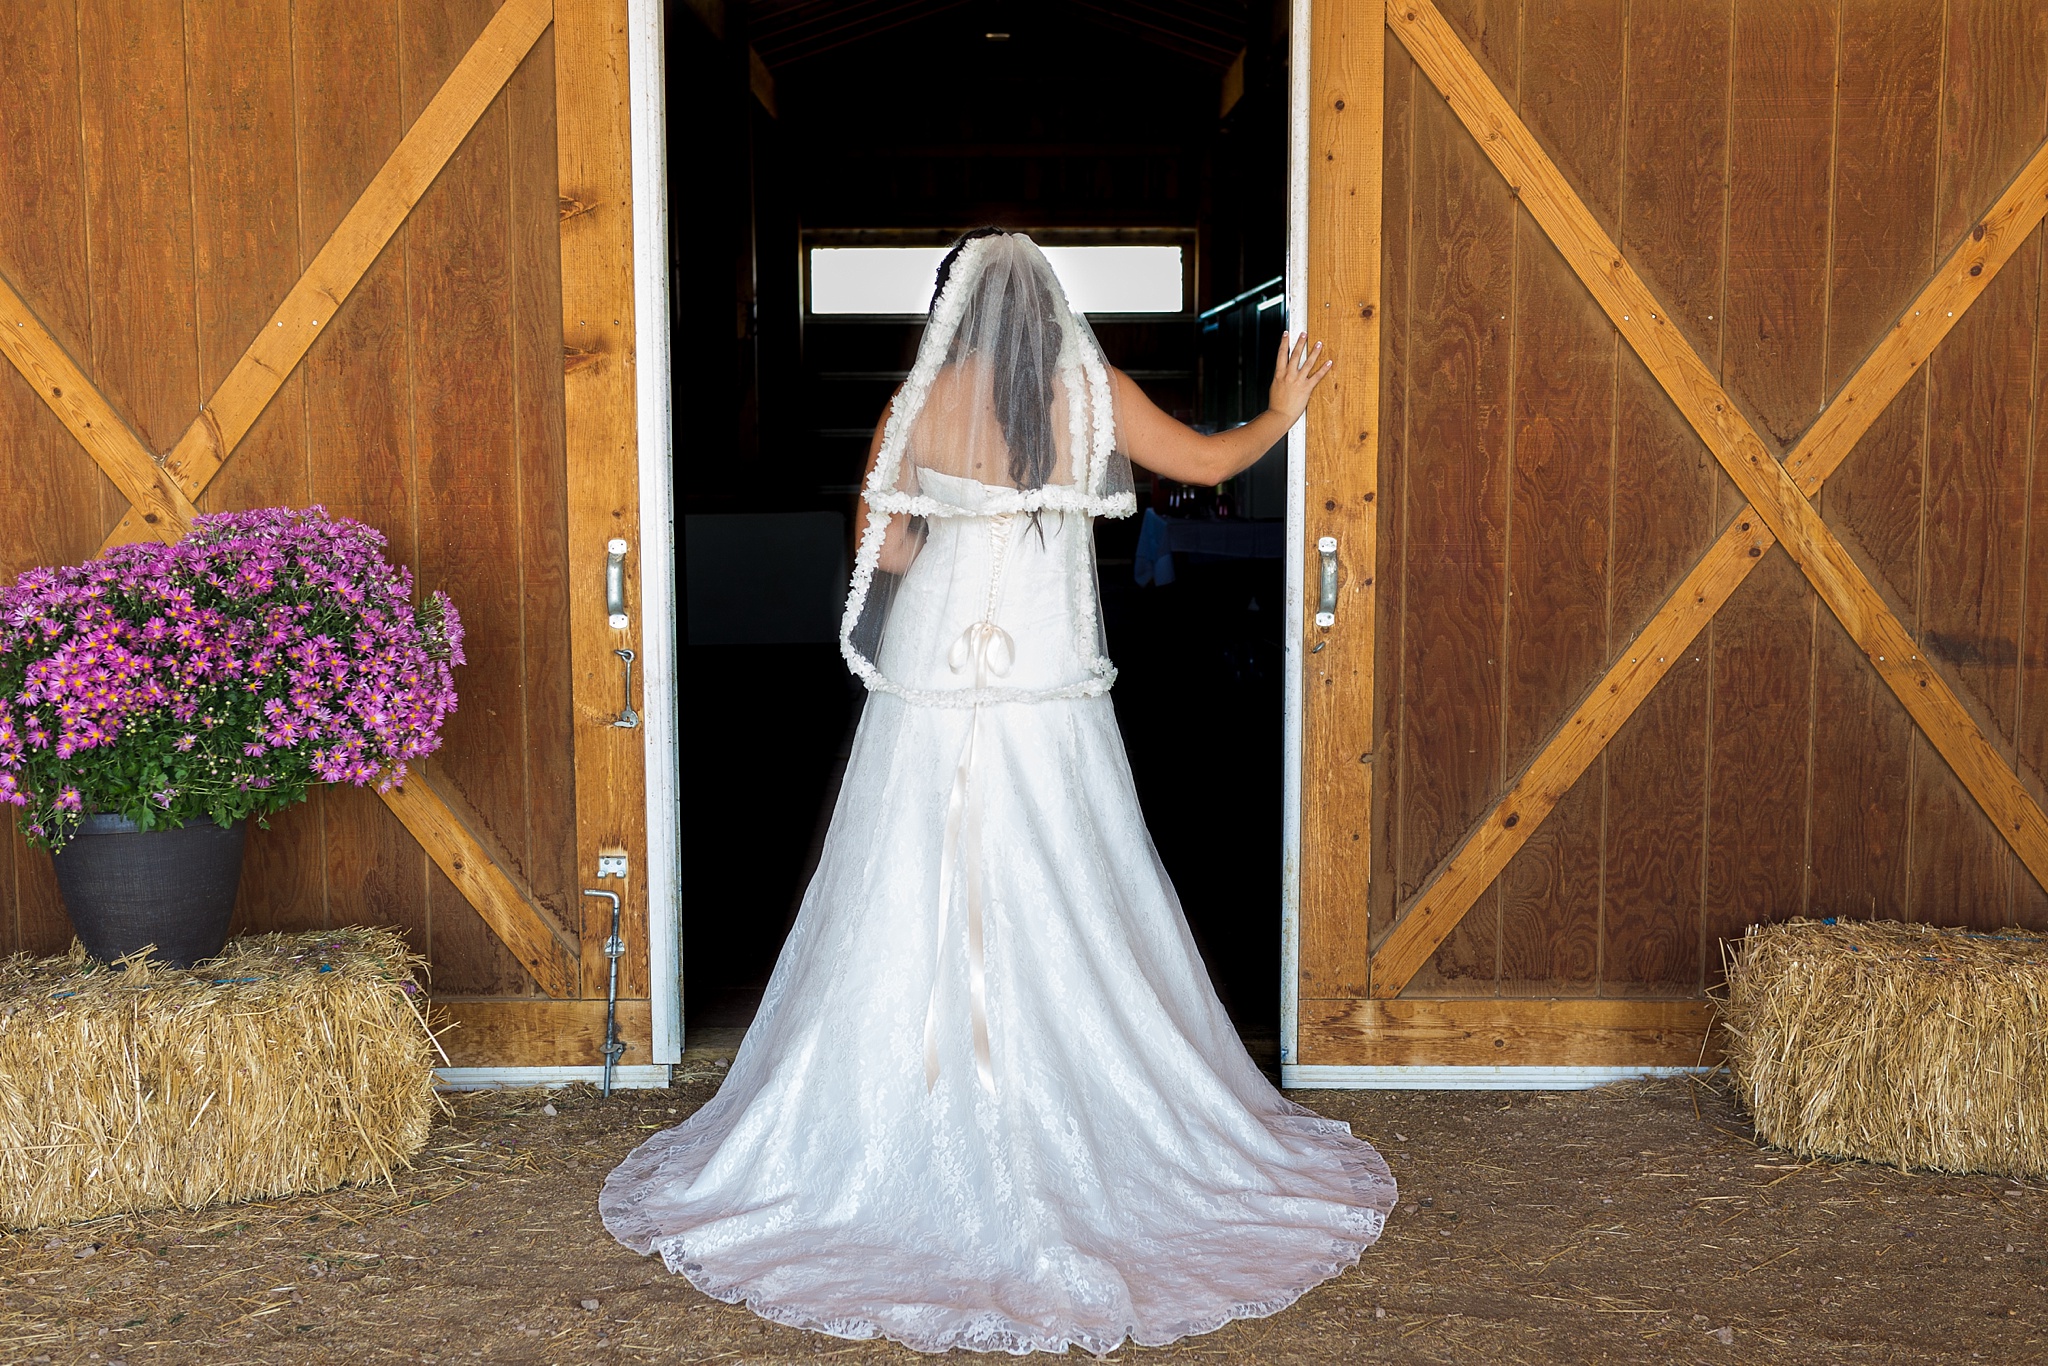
(991, 651)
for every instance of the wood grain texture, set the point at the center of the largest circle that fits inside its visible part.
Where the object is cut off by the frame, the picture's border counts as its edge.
(1574, 77)
(246, 249)
(1456, 511)
(1559, 539)
(52, 511)
(1390, 571)
(1656, 766)
(547, 859)
(1508, 1033)
(1781, 119)
(526, 1033)
(246, 237)
(138, 176)
(1886, 138)
(459, 319)
(1345, 308)
(2030, 899)
(599, 396)
(358, 389)
(1993, 92)
(1734, 444)
(1675, 171)
(456, 851)
(116, 447)
(457, 102)
(1761, 652)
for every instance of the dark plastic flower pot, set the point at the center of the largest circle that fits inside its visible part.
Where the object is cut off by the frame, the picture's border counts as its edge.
(125, 889)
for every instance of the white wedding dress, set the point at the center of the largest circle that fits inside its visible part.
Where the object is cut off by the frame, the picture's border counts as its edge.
(990, 1099)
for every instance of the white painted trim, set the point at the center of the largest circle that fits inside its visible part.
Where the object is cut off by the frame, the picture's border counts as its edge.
(658, 662)
(1470, 1078)
(1297, 521)
(638, 1077)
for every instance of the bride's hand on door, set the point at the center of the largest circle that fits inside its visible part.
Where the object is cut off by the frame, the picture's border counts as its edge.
(1296, 375)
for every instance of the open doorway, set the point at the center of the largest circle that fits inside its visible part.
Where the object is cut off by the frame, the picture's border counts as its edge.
(801, 132)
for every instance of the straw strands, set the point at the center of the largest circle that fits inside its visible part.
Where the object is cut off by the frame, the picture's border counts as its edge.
(293, 1062)
(1902, 1044)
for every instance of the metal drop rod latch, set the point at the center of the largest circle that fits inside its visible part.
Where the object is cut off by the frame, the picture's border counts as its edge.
(615, 583)
(1326, 600)
(614, 949)
(628, 718)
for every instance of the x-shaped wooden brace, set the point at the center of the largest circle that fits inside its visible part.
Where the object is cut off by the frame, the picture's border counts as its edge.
(1779, 507)
(161, 493)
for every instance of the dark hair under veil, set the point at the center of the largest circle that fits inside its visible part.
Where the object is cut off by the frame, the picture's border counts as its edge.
(1024, 365)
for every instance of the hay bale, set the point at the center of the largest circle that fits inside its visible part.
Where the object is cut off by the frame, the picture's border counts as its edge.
(293, 1062)
(1900, 1044)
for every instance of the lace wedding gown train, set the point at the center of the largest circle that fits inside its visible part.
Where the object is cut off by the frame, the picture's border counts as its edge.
(990, 1099)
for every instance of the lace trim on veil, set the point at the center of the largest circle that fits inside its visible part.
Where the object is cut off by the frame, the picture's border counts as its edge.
(1078, 357)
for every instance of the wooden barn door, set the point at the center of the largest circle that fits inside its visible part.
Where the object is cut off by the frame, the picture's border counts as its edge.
(1685, 470)
(376, 255)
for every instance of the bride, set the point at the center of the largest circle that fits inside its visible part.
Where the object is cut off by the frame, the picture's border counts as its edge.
(990, 1100)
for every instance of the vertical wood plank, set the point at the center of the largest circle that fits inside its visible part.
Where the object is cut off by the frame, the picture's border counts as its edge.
(1493, 30)
(1560, 496)
(1992, 97)
(1397, 327)
(2030, 899)
(458, 286)
(1862, 743)
(1674, 180)
(1667, 489)
(1761, 716)
(1991, 108)
(1457, 522)
(547, 745)
(359, 400)
(246, 247)
(1773, 360)
(139, 213)
(51, 514)
(1783, 124)
(1980, 396)
(1573, 81)
(1883, 245)
(1656, 809)
(1346, 108)
(1884, 174)
(591, 113)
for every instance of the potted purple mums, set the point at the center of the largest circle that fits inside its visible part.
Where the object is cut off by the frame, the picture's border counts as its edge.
(155, 699)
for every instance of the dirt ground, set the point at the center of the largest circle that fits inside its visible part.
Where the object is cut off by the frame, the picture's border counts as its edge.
(1635, 1223)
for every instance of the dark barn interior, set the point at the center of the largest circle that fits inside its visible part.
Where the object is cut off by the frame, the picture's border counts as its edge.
(795, 124)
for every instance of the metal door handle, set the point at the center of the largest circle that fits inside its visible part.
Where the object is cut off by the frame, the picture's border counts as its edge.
(1326, 601)
(628, 718)
(615, 583)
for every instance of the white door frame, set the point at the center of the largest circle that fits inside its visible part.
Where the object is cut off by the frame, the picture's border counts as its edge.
(646, 79)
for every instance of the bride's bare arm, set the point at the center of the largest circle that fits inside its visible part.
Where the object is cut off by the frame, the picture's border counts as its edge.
(1178, 451)
(899, 543)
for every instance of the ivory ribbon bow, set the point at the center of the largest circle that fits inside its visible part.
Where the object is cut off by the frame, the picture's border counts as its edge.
(991, 651)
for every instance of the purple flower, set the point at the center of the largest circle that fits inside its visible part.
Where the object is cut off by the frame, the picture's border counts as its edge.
(283, 631)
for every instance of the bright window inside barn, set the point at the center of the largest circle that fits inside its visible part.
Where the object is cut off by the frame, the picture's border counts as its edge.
(899, 279)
